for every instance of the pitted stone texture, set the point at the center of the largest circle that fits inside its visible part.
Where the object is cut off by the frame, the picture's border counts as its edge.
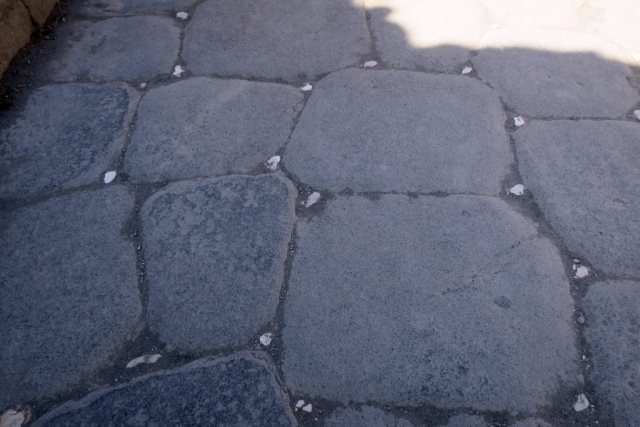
(400, 131)
(138, 47)
(115, 7)
(237, 390)
(544, 73)
(612, 310)
(532, 422)
(202, 127)
(66, 136)
(429, 34)
(69, 292)
(277, 39)
(365, 417)
(466, 421)
(215, 252)
(584, 176)
(454, 301)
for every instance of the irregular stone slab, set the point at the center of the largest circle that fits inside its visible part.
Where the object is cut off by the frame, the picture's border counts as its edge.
(584, 176)
(137, 47)
(365, 417)
(545, 73)
(400, 131)
(236, 390)
(67, 136)
(115, 7)
(202, 127)
(277, 39)
(215, 252)
(443, 300)
(612, 310)
(69, 292)
(466, 421)
(428, 34)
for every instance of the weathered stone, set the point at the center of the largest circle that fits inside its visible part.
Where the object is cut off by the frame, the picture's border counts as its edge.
(115, 7)
(612, 334)
(366, 417)
(203, 127)
(545, 73)
(466, 421)
(584, 176)
(40, 9)
(138, 47)
(67, 136)
(445, 300)
(15, 30)
(429, 34)
(285, 39)
(400, 131)
(236, 390)
(215, 252)
(69, 292)
(532, 422)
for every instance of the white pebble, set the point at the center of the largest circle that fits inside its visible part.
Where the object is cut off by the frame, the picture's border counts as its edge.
(581, 271)
(517, 190)
(306, 88)
(147, 358)
(143, 85)
(467, 70)
(109, 176)
(637, 114)
(265, 339)
(581, 404)
(272, 163)
(518, 121)
(370, 64)
(12, 418)
(299, 403)
(636, 56)
(177, 72)
(312, 199)
(307, 408)
(182, 15)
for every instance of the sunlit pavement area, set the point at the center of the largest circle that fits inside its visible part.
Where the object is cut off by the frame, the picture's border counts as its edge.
(323, 213)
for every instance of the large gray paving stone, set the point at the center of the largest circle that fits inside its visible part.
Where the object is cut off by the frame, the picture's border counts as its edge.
(203, 127)
(454, 301)
(116, 7)
(545, 73)
(69, 292)
(612, 310)
(215, 252)
(66, 136)
(367, 416)
(429, 34)
(277, 39)
(400, 131)
(132, 48)
(240, 390)
(584, 176)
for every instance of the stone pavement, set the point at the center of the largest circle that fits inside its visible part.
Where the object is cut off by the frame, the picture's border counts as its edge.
(324, 213)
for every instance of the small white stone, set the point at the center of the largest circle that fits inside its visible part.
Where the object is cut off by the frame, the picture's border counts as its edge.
(517, 190)
(182, 15)
(299, 403)
(265, 339)
(12, 418)
(581, 404)
(109, 176)
(467, 70)
(312, 199)
(370, 64)
(306, 88)
(272, 163)
(518, 121)
(147, 358)
(637, 114)
(307, 408)
(581, 271)
(177, 72)
(636, 56)
(143, 85)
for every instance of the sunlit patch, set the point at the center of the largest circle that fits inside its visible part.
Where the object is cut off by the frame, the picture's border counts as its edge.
(518, 121)
(467, 70)
(147, 358)
(177, 72)
(265, 339)
(306, 87)
(581, 404)
(636, 56)
(182, 15)
(312, 199)
(272, 163)
(517, 190)
(370, 64)
(109, 176)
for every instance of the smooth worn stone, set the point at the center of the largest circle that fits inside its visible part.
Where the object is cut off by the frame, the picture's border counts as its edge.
(445, 300)
(115, 7)
(137, 47)
(400, 131)
(215, 252)
(276, 39)
(584, 176)
(431, 34)
(202, 127)
(69, 294)
(365, 417)
(613, 308)
(240, 390)
(466, 421)
(546, 73)
(67, 136)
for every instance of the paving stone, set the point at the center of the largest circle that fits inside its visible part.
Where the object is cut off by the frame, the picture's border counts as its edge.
(115, 7)
(466, 421)
(400, 131)
(66, 136)
(202, 127)
(428, 34)
(545, 73)
(236, 390)
(215, 252)
(613, 316)
(532, 422)
(584, 177)
(455, 301)
(365, 417)
(69, 292)
(104, 50)
(277, 39)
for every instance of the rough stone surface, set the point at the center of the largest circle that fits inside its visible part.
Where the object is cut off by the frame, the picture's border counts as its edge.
(454, 301)
(466, 421)
(39, 9)
(215, 253)
(237, 390)
(613, 310)
(104, 51)
(365, 417)
(115, 7)
(69, 292)
(584, 176)
(532, 422)
(202, 127)
(399, 131)
(286, 39)
(15, 30)
(546, 73)
(429, 34)
(67, 135)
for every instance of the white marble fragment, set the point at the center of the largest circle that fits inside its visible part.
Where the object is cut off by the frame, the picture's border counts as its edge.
(109, 176)
(147, 358)
(312, 199)
(517, 190)
(272, 163)
(265, 339)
